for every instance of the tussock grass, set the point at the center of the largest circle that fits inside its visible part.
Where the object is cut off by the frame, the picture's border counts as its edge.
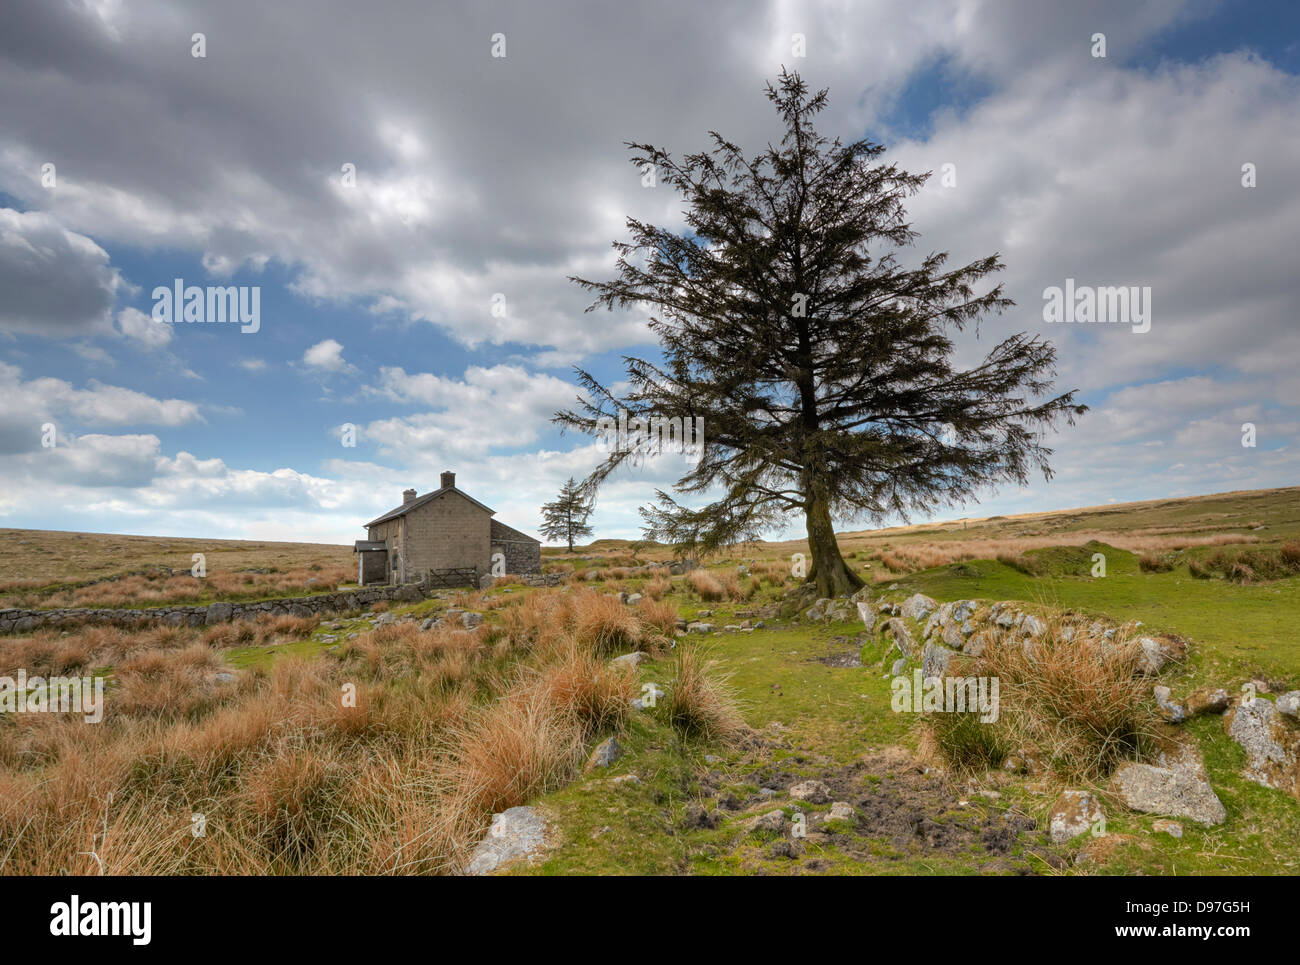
(698, 702)
(657, 588)
(706, 586)
(605, 624)
(714, 586)
(1019, 552)
(583, 686)
(1249, 566)
(441, 728)
(514, 749)
(967, 744)
(1079, 704)
(1151, 563)
(658, 615)
(158, 588)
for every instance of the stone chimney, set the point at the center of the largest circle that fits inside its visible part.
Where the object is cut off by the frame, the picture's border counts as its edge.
(448, 480)
(408, 496)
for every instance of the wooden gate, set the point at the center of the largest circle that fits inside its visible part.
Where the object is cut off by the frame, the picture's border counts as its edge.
(454, 578)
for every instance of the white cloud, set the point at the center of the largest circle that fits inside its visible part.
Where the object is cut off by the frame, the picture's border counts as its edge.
(1070, 167)
(1107, 176)
(500, 407)
(26, 406)
(135, 324)
(326, 356)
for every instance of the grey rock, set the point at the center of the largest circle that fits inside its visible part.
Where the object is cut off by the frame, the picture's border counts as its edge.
(1161, 790)
(867, 614)
(1033, 626)
(516, 833)
(1073, 814)
(649, 701)
(902, 636)
(634, 659)
(819, 610)
(1289, 704)
(606, 753)
(1003, 614)
(814, 792)
(934, 662)
(977, 643)
(1207, 700)
(771, 821)
(938, 620)
(471, 620)
(1154, 656)
(218, 613)
(918, 606)
(1173, 712)
(1271, 746)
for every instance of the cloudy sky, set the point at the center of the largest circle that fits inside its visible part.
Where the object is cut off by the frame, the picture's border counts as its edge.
(408, 206)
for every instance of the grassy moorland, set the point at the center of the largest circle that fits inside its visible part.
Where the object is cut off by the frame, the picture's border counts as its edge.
(244, 724)
(384, 752)
(49, 568)
(1174, 565)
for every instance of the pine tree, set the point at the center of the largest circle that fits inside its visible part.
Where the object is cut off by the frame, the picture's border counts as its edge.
(566, 518)
(821, 366)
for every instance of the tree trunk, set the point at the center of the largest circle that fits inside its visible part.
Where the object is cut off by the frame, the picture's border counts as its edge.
(829, 571)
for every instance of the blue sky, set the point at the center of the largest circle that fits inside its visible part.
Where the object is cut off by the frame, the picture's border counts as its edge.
(479, 176)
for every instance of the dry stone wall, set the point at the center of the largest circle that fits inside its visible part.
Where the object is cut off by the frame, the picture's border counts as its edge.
(23, 621)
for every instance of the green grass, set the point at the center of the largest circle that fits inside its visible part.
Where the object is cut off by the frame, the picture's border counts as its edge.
(835, 716)
(837, 720)
(1242, 631)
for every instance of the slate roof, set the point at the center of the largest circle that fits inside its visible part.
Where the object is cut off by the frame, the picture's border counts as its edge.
(500, 531)
(422, 500)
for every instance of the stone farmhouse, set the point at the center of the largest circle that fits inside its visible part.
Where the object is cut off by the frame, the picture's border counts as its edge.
(448, 532)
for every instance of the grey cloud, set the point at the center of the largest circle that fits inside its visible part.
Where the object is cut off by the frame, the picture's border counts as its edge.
(52, 281)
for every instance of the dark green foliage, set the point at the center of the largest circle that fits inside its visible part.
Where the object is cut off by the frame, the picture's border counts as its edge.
(565, 519)
(820, 365)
